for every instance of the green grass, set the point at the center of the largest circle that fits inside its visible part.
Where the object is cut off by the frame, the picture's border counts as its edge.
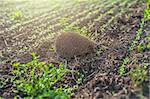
(37, 79)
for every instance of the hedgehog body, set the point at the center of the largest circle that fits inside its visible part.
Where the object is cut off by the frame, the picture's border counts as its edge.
(69, 45)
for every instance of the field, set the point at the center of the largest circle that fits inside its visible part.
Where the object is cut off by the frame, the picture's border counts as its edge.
(117, 69)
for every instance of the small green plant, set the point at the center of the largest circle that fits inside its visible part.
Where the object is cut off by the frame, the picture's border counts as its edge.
(122, 67)
(147, 10)
(148, 46)
(138, 35)
(147, 39)
(147, 14)
(77, 29)
(17, 15)
(64, 21)
(139, 74)
(141, 47)
(71, 28)
(79, 1)
(37, 79)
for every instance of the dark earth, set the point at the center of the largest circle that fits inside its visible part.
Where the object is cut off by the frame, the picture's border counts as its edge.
(100, 68)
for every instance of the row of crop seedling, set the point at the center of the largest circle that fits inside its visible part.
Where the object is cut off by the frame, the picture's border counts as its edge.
(140, 72)
(53, 26)
(91, 14)
(31, 9)
(73, 15)
(18, 15)
(72, 26)
(62, 22)
(85, 29)
(37, 29)
(116, 15)
(27, 20)
(93, 11)
(106, 13)
(45, 23)
(111, 11)
(96, 12)
(56, 25)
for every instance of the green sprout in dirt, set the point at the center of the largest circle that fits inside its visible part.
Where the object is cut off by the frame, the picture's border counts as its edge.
(139, 74)
(148, 46)
(147, 13)
(140, 30)
(37, 79)
(122, 67)
(17, 15)
(64, 21)
(141, 47)
(147, 39)
(138, 35)
(147, 10)
(83, 30)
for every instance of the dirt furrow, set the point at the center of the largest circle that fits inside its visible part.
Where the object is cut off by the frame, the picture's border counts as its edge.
(98, 27)
(116, 40)
(37, 19)
(60, 28)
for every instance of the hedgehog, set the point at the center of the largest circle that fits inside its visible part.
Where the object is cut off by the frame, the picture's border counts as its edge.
(70, 44)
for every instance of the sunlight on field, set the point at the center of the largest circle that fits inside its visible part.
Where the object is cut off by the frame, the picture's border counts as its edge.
(64, 49)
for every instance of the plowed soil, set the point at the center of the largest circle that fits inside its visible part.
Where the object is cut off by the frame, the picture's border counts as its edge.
(111, 24)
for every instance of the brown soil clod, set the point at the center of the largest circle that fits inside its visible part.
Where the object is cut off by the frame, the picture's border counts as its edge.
(70, 44)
